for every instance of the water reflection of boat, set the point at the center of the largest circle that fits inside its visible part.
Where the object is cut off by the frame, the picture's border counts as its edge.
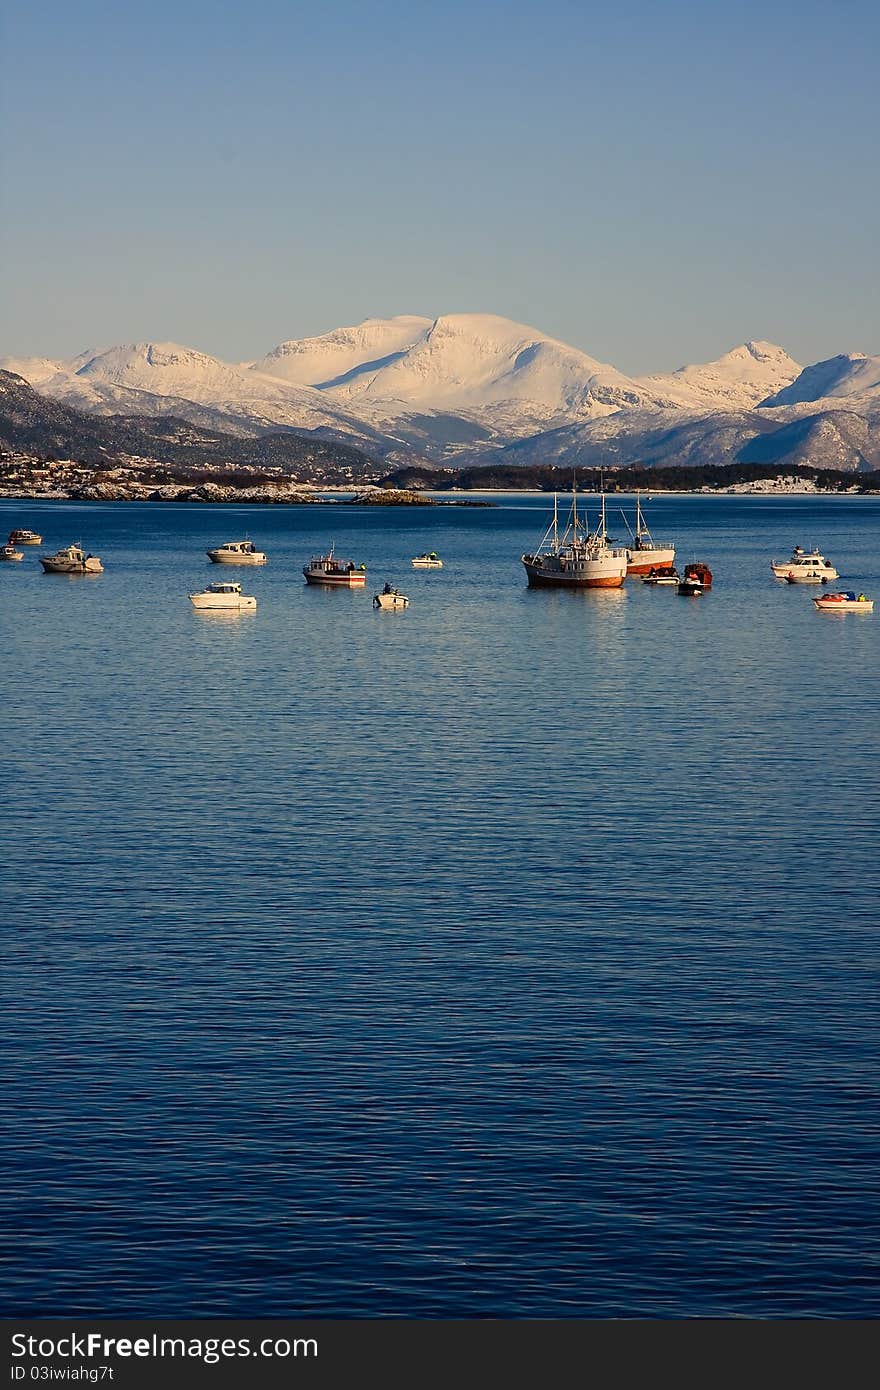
(578, 558)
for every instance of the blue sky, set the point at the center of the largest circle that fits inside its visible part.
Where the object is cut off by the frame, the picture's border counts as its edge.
(653, 183)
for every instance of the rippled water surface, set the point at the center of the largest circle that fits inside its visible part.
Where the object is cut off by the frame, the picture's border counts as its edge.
(514, 955)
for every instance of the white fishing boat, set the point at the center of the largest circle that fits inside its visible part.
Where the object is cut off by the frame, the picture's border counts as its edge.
(226, 596)
(848, 602)
(390, 599)
(237, 553)
(327, 569)
(430, 561)
(71, 559)
(21, 536)
(9, 553)
(644, 553)
(804, 567)
(576, 558)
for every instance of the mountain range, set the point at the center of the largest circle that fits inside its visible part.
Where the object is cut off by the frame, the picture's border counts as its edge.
(463, 387)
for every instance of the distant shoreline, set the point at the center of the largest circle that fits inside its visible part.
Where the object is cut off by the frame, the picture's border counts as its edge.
(444, 498)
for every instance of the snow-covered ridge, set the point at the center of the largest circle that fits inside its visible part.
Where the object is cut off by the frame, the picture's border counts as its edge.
(741, 378)
(849, 374)
(477, 362)
(321, 360)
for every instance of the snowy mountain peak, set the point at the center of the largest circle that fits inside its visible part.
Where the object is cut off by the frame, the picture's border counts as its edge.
(142, 364)
(492, 367)
(738, 380)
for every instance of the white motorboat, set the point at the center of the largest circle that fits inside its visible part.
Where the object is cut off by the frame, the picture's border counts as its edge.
(390, 599)
(430, 561)
(224, 596)
(22, 536)
(666, 574)
(326, 569)
(804, 567)
(578, 558)
(237, 553)
(71, 559)
(9, 552)
(844, 603)
(644, 554)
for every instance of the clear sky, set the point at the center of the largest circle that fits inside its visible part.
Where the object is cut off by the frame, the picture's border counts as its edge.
(652, 182)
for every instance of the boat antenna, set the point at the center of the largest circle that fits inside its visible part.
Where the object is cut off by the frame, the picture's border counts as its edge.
(555, 522)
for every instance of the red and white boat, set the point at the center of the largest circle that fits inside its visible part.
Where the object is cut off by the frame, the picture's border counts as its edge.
(645, 554)
(844, 603)
(327, 569)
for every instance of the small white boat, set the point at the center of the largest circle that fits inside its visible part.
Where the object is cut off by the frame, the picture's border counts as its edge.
(804, 567)
(237, 553)
(666, 574)
(326, 569)
(844, 603)
(390, 599)
(24, 537)
(430, 561)
(9, 552)
(225, 596)
(71, 559)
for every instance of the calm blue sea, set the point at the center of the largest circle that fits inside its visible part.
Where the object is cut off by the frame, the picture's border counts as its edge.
(515, 955)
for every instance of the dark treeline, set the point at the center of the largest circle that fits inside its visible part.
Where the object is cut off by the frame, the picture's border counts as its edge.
(550, 478)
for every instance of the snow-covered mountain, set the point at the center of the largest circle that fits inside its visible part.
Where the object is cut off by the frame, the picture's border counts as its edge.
(740, 379)
(480, 364)
(154, 378)
(463, 385)
(850, 374)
